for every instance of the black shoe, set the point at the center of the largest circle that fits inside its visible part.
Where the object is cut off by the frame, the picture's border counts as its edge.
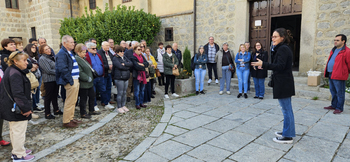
(128, 99)
(59, 112)
(283, 140)
(153, 96)
(37, 109)
(197, 92)
(256, 97)
(86, 116)
(49, 116)
(245, 95)
(239, 95)
(154, 92)
(202, 92)
(94, 113)
(261, 98)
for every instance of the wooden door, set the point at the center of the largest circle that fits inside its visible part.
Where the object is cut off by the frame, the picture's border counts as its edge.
(259, 23)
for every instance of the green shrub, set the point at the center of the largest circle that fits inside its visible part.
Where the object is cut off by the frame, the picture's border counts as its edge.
(187, 61)
(121, 23)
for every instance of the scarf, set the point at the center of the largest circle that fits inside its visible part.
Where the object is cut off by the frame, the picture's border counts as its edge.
(141, 75)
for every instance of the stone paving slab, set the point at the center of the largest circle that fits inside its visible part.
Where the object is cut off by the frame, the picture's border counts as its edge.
(151, 157)
(195, 122)
(232, 140)
(239, 117)
(222, 125)
(186, 158)
(175, 130)
(196, 137)
(158, 130)
(170, 149)
(185, 114)
(218, 113)
(266, 140)
(330, 132)
(256, 152)
(162, 138)
(209, 153)
(138, 151)
(344, 150)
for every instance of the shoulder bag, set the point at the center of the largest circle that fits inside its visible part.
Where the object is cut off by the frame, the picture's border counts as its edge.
(176, 70)
(230, 66)
(34, 83)
(15, 108)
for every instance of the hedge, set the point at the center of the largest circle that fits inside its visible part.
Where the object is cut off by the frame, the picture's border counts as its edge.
(122, 23)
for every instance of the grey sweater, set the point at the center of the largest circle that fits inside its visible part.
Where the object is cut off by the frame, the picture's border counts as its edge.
(47, 66)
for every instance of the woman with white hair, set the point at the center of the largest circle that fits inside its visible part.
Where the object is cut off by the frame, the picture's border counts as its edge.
(225, 61)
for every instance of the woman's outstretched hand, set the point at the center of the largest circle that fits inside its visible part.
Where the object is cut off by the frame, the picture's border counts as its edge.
(258, 63)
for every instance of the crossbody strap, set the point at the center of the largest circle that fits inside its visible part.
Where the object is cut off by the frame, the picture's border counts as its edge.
(88, 65)
(8, 93)
(228, 59)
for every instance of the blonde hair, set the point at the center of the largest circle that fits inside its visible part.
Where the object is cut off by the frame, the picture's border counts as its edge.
(80, 47)
(239, 49)
(15, 56)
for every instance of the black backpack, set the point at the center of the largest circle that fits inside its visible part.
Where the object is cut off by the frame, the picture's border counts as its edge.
(193, 66)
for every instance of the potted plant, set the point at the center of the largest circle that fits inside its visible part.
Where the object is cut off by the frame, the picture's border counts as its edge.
(184, 83)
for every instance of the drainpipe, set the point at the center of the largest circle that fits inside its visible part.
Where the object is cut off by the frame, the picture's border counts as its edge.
(71, 9)
(194, 25)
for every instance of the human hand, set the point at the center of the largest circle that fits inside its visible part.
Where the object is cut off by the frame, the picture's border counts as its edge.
(258, 63)
(240, 59)
(27, 113)
(123, 64)
(110, 67)
(175, 66)
(259, 67)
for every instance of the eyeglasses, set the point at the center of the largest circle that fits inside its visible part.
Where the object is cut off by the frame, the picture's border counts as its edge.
(336, 40)
(33, 47)
(122, 51)
(274, 37)
(139, 49)
(142, 47)
(94, 48)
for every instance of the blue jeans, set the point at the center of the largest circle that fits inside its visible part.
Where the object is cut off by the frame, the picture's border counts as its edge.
(139, 92)
(37, 93)
(259, 84)
(108, 83)
(34, 101)
(99, 84)
(226, 76)
(337, 88)
(199, 74)
(288, 123)
(242, 76)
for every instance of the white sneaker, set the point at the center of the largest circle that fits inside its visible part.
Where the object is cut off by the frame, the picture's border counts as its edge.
(109, 106)
(40, 105)
(96, 108)
(175, 95)
(33, 122)
(216, 81)
(34, 116)
(228, 92)
(166, 96)
(220, 93)
(209, 81)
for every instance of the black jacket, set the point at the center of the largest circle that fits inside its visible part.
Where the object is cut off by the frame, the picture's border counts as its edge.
(130, 54)
(104, 59)
(4, 54)
(18, 86)
(259, 73)
(282, 72)
(121, 72)
(178, 54)
(206, 48)
(137, 67)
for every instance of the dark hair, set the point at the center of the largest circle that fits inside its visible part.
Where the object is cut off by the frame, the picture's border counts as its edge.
(28, 50)
(6, 41)
(109, 39)
(168, 46)
(31, 40)
(118, 49)
(92, 39)
(41, 48)
(160, 43)
(284, 34)
(262, 47)
(343, 37)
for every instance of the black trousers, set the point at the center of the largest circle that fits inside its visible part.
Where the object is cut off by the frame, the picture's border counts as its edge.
(51, 92)
(170, 79)
(161, 79)
(84, 94)
(212, 66)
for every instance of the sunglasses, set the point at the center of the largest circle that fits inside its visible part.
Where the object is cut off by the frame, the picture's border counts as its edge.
(122, 51)
(142, 47)
(139, 49)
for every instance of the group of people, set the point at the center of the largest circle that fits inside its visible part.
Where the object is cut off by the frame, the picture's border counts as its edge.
(84, 72)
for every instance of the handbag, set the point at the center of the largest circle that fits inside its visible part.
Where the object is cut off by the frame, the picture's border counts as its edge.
(176, 70)
(34, 83)
(230, 66)
(15, 108)
(147, 72)
(158, 73)
(94, 73)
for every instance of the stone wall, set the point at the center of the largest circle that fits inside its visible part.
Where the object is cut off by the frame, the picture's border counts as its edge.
(332, 19)
(216, 18)
(182, 30)
(44, 15)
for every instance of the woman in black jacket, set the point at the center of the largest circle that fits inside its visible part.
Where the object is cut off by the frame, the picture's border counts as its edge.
(283, 82)
(16, 89)
(121, 74)
(257, 72)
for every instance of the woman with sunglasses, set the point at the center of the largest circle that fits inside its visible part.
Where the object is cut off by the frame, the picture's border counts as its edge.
(16, 89)
(121, 75)
(139, 76)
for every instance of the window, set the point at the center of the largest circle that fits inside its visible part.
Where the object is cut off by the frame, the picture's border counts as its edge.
(92, 4)
(33, 32)
(169, 34)
(124, 1)
(11, 4)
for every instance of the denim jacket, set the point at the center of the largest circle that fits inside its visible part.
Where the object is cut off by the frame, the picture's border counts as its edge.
(246, 60)
(200, 60)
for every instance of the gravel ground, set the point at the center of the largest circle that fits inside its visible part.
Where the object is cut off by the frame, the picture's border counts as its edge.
(111, 142)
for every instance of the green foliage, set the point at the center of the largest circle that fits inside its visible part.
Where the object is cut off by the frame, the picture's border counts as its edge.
(121, 23)
(187, 61)
(315, 98)
(183, 74)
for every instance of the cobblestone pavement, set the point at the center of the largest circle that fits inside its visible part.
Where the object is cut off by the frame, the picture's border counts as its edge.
(215, 127)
